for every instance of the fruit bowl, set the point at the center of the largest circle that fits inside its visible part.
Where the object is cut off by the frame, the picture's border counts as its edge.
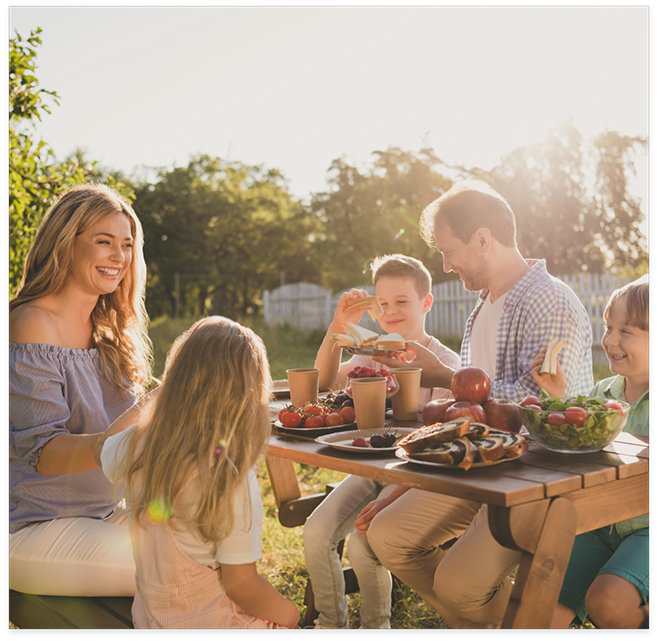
(392, 385)
(575, 425)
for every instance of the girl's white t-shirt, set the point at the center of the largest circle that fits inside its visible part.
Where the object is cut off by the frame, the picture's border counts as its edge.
(242, 545)
(427, 394)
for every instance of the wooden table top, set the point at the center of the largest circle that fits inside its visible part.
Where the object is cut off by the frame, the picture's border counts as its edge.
(538, 474)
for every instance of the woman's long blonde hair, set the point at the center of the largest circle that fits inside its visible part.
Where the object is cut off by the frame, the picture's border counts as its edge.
(208, 425)
(119, 320)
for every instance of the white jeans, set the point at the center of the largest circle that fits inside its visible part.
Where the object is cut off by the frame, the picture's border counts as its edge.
(329, 523)
(73, 557)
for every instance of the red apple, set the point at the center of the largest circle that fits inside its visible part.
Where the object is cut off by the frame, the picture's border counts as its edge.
(434, 411)
(503, 415)
(462, 408)
(471, 384)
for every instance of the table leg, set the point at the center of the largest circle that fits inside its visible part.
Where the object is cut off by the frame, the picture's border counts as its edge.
(544, 531)
(283, 478)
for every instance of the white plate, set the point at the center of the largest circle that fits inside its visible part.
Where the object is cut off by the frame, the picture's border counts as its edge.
(370, 351)
(400, 453)
(343, 440)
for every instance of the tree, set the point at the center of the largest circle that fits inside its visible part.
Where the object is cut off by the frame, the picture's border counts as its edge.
(227, 229)
(571, 201)
(374, 212)
(35, 177)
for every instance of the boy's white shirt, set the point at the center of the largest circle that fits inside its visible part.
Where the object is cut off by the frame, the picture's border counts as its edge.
(242, 545)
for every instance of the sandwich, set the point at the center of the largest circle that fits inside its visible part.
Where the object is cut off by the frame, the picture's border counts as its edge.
(370, 303)
(389, 341)
(354, 336)
(549, 366)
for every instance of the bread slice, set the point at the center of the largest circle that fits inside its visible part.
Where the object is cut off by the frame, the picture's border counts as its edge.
(441, 453)
(490, 448)
(460, 452)
(477, 430)
(371, 303)
(389, 341)
(514, 444)
(431, 435)
(360, 334)
(549, 366)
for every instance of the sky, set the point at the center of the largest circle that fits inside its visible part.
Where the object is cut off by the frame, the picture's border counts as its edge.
(294, 88)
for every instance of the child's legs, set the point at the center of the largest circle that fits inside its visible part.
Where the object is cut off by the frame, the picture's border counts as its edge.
(406, 536)
(374, 579)
(471, 581)
(73, 557)
(329, 523)
(618, 595)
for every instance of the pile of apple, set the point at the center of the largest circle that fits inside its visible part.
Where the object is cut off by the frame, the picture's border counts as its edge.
(470, 387)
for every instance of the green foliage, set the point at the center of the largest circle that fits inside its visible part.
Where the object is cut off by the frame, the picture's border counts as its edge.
(227, 229)
(571, 201)
(374, 212)
(35, 177)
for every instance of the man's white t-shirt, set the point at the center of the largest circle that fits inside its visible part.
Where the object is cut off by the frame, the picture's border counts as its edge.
(242, 545)
(484, 335)
(447, 356)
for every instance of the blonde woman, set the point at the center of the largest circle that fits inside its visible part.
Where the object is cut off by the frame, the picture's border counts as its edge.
(186, 471)
(79, 355)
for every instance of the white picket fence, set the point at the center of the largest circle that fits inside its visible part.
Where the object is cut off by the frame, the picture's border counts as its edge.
(309, 307)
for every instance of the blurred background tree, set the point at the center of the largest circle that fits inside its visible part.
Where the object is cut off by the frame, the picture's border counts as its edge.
(375, 211)
(571, 201)
(228, 230)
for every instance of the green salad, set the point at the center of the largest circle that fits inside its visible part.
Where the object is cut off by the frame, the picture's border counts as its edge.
(591, 427)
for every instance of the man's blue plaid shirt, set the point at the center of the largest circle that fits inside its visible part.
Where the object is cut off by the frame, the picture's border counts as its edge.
(538, 309)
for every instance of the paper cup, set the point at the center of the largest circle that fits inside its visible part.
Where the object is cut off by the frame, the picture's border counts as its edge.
(405, 402)
(303, 385)
(369, 395)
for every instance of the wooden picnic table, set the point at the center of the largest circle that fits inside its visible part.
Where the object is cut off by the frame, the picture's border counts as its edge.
(537, 504)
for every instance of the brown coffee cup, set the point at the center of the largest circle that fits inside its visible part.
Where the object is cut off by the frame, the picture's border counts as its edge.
(303, 384)
(405, 402)
(369, 395)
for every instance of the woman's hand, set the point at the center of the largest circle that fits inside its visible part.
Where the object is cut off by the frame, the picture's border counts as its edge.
(553, 384)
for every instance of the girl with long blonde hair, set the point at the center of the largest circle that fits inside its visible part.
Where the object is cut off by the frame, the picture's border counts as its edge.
(186, 471)
(79, 355)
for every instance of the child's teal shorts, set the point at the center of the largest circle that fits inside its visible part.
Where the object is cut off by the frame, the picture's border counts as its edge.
(604, 552)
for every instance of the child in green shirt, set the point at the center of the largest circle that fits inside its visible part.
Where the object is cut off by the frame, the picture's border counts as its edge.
(608, 572)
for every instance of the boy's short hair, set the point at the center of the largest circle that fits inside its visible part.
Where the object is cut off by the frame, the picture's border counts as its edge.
(400, 266)
(637, 303)
(466, 207)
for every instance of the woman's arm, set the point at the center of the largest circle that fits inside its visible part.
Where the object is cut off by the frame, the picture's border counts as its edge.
(370, 511)
(72, 453)
(256, 595)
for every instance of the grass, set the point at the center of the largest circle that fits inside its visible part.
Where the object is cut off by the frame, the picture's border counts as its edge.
(283, 551)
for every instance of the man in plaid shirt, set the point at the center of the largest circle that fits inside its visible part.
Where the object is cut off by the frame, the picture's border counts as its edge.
(520, 310)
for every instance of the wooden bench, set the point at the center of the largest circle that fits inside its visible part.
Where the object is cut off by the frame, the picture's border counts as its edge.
(30, 611)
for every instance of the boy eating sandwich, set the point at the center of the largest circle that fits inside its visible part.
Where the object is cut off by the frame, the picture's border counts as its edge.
(403, 299)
